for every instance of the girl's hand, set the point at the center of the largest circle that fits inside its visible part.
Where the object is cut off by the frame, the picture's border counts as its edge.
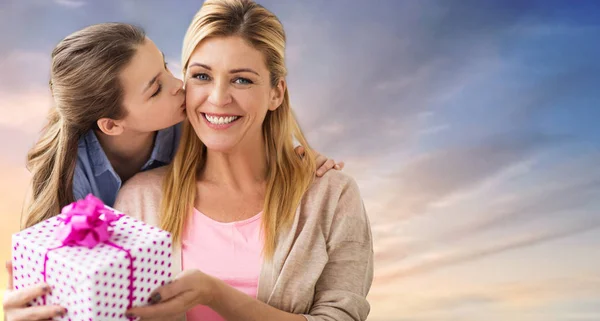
(324, 164)
(16, 302)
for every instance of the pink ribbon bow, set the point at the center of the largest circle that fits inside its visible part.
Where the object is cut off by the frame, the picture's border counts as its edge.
(85, 222)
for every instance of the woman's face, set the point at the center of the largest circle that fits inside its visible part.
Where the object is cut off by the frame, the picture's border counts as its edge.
(228, 93)
(153, 98)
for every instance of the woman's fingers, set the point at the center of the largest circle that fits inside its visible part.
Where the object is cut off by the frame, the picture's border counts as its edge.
(166, 309)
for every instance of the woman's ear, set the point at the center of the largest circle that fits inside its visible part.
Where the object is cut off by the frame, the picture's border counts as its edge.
(277, 94)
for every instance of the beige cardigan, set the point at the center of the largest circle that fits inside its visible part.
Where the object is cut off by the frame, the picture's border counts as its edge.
(322, 268)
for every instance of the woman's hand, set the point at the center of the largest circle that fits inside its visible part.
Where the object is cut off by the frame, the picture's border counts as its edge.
(324, 164)
(188, 289)
(16, 302)
(192, 287)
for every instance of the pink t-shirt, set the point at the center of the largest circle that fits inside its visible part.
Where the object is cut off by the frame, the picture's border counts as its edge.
(228, 251)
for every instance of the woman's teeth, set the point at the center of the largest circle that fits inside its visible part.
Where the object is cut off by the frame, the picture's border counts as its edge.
(220, 120)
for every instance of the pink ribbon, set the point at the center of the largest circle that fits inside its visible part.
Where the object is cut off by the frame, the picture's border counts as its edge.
(85, 223)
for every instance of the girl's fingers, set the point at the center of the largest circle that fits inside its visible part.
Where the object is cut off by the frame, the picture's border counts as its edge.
(20, 298)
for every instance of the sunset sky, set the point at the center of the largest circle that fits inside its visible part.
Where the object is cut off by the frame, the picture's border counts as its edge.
(472, 128)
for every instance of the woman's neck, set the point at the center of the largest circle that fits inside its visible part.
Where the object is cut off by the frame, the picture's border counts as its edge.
(240, 169)
(127, 152)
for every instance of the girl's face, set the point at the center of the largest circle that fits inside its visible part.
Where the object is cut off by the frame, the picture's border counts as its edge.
(229, 93)
(153, 98)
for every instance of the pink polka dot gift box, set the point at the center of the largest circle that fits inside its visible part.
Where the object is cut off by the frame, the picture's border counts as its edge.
(98, 262)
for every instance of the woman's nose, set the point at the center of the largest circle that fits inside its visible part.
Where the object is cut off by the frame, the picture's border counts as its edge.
(219, 95)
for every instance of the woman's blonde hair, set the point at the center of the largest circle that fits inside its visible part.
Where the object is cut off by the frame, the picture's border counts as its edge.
(288, 176)
(85, 86)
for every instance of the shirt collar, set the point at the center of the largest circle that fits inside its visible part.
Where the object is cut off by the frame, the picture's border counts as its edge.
(164, 145)
(99, 161)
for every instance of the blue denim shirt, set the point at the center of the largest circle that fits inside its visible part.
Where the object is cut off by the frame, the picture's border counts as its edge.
(94, 173)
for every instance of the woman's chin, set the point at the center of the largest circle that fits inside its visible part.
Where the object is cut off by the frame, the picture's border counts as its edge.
(219, 146)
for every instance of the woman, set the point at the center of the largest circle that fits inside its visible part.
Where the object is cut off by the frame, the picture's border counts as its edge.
(261, 238)
(117, 109)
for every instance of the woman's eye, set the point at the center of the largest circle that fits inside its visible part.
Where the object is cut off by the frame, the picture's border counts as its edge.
(243, 81)
(201, 76)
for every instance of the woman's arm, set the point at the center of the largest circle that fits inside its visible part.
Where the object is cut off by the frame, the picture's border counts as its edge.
(342, 288)
(193, 287)
(340, 292)
(232, 304)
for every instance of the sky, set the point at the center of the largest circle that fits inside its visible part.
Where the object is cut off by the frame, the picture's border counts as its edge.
(470, 126)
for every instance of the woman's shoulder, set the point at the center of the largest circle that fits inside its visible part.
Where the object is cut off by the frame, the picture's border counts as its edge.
(334, 206)
(144, 179)
(332, 196)
(140, 196)
(333, 184)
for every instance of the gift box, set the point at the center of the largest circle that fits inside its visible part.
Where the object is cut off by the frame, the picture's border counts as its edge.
(98, 262)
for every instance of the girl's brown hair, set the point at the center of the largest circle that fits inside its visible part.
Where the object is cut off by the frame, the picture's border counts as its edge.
(85, 86)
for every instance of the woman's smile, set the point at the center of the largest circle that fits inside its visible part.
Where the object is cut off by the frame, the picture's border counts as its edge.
(220, 121)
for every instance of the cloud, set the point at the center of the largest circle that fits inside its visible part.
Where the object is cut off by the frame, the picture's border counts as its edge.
(476, 199)
(512, 298)
(545, 193)
(25, 110)
(24, 97)
(520, 192)
(501, 203)
(434, 176)
(25, 70)
(15, 179)
(529, 206)
(373, 98)
(534, 102)
(377, 109)
(175, 66)
(435, 129)
(443, 260)
(469, 300)
(70, 3)
(16, 143)
(435, 63)
(432, 104)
